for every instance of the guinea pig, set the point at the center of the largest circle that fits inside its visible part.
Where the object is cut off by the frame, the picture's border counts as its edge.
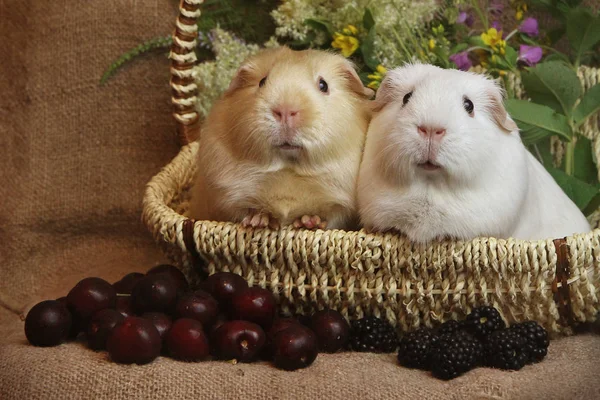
(283, 144)
(443, 159)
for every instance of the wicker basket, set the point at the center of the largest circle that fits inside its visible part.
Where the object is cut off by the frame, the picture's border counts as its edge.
(556, 282)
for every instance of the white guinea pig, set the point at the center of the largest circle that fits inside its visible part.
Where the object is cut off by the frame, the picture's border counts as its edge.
(443, 159)
(283, 144)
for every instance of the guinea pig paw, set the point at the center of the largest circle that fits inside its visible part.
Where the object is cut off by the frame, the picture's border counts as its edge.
(310, 222)
(260, 220)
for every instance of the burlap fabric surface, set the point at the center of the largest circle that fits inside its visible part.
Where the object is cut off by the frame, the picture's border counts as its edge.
(75, 159)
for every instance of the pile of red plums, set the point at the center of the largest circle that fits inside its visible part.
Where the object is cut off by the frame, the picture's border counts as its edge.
(143, 316)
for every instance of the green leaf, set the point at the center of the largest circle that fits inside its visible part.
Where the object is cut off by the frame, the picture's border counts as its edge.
(368, 20)
(477, 41)
(542, 151)
(590, 104)
(368, 51)
(580, 192)
(532, 134)
(585, 167)
(511, 56)
(458, 48)
(320, 25)
(364, 77)
(528, 40)
(553, 84)
(583, 30)
(152, 44)
(556, 34)
(573, 3)
(539, 116)
(592, 206)
(558, 57)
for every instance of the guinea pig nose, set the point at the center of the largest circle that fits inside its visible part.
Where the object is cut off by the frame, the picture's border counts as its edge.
(285, 114)
(431, 131)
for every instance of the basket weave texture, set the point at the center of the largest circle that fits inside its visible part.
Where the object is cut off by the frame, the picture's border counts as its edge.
(555, 282)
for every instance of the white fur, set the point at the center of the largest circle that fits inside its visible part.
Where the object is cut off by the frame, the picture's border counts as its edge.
(489, 183)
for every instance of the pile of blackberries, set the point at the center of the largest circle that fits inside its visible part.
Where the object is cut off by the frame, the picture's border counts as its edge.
(482, 339)
(143, 316)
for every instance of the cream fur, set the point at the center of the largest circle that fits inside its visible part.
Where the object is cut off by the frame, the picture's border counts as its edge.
(240, 169)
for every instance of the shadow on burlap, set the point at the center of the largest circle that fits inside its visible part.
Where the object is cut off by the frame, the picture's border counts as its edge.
(75, 159)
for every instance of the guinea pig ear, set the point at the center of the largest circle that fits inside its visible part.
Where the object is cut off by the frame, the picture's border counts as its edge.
(240, 78)
(354, 81)
(385, 93)
(498, 112)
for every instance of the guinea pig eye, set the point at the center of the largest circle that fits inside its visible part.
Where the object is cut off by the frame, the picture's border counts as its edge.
(406, 98)
(468, 105)
(323, 86)
(262, 82)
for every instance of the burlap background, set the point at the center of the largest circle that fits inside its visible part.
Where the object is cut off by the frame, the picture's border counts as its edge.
(75, 158)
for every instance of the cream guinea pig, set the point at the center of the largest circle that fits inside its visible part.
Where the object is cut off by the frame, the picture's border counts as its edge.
(283, 145)
(443, 159)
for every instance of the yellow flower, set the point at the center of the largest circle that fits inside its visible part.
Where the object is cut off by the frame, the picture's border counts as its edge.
(502, 72)
(431, 44)
(519, 15)
(350, 30)
(520, 8)
(376, 77)
(493, 38)
(347, 44)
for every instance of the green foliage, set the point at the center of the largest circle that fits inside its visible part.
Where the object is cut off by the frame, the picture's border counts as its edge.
(249, 20)
(553, 84)
(579, 191)
(321, 25)
(583, 159)
(559, 107)
(539, 116)
(583, 31)
(589, 105)
(150, 45)
(368, 20)
(367, 50)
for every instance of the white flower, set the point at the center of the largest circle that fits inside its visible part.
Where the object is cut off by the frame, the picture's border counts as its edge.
(213, 77)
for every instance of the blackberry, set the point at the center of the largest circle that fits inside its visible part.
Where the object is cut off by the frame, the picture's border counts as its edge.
(506, 349)
(373, 334)
(454, 354)
(536, 337)
(415, 349)
(484, 320)
(450, 326)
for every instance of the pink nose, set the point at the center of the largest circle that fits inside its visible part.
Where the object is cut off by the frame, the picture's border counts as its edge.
(431, 131)
(285, 115)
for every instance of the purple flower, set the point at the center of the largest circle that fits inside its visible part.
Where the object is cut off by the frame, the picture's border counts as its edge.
(464, 18)
(496, 7)
(530, 55)
(462, 60)
(529, 26)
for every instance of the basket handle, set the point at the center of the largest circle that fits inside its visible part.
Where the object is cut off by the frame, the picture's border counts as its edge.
(183, 59)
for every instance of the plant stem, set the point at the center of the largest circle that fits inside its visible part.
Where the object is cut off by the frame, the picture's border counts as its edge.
(570, 157)
(482, 16)
(510, 35)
